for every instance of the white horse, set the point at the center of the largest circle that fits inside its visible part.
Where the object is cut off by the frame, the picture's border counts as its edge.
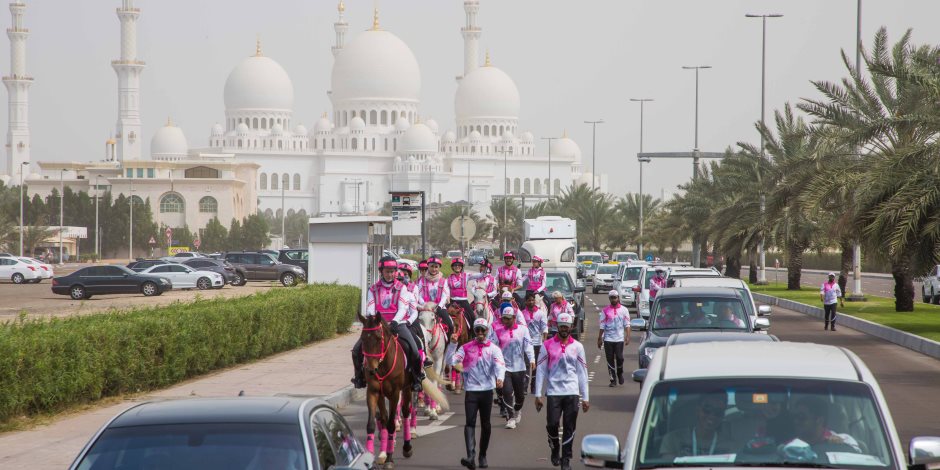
(435, 340)
(481, 305)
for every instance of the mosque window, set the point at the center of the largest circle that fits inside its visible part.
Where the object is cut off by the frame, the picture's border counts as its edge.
(386, 144)
(264, 123)
(296, 181)
(538, 186)
(384, 117)
(171, 203)
(285, 181)
(208, 204)
(362, 114)
(395, 145)
(274, 181)
(149, 172)
(516, 186)
(201, 172)
(140, 172)
(129, 173)
(254, 123)
(373, 143)
(355, 144)
(473, 149)
(486, 130)
(280, 145)
(239, 143)
(136, 200)
(527, 188)
(263, 181)
(373, 117)
(332, 143)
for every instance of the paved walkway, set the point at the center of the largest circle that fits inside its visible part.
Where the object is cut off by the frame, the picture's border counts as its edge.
(320, 369)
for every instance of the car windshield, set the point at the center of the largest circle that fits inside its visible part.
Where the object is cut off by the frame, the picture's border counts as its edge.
(559, 282)
(706, 313)
(626, 257)
(631, 273)
(198, 446)
(649, 275)
(596, 259)
(608, 269)
(762, 422)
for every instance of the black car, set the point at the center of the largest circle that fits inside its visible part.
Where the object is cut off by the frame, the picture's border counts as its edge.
(142, 264)
(98, 280)
(561, 281)
(227, 433)
(230, 273)
(692, 309)
(264, 267)
(297, 257)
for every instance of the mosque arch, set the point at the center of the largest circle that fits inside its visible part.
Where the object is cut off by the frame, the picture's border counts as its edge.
(527, 186)
(209, 205)
(285, 181)
(171, 203)
(516, 186)
(269, 213)
(274, 181)
(296, 181)
(355, 144)
(373, 117)
(384, 118)
(239, 143)
(537, 186)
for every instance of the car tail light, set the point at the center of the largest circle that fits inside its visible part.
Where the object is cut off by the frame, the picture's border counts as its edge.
(636, 289)
(54, 282)
(31, 268)
(45, 268)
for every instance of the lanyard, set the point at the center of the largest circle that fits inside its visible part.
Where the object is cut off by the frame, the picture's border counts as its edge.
(711, 450)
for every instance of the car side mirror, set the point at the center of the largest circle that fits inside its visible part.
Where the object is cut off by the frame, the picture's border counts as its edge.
(639, 375)
(923, 452)
(764, 310)
(762, 323)
(601, 451)
(638, 324)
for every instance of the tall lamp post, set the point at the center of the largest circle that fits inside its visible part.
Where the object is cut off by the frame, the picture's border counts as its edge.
(505, 153)
(696, 148)
(593, 151)
(97, 226)
(61, 213)
(284, 182)
(857, 248)
(762, 270)
(22, 164)
(548, 189)
(130, 202)
(642, 101)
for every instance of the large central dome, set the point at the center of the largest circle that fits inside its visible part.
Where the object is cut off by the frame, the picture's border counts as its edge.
(376, 65)
(487, 92)
(259, 83)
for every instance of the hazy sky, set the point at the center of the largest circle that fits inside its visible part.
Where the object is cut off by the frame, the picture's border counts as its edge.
(572, 60)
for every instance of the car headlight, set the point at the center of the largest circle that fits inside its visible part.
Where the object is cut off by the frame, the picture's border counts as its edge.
(649, 352)
(298, 270)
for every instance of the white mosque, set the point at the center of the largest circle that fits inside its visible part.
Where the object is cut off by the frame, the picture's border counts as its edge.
(373, 141)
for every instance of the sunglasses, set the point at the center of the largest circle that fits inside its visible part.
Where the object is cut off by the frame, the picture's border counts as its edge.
(713, 411)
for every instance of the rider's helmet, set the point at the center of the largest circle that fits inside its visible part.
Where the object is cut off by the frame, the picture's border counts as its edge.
(537, 259)
(434, 260)
(388, 262)
(405, 267)
(660, 269)
(456, 261)
(423, 264)
(506, 295)
(509, 255)
(565, 319)
(480, 323)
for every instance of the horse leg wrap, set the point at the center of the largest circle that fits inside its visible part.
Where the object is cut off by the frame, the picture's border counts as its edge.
(391, 445)
(383, 444)
(407, 431)
(370, 443)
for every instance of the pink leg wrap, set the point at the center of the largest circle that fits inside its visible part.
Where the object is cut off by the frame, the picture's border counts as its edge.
(414, 419)
(407, 430)
(384, 443)
(391, 445)
(370, 443)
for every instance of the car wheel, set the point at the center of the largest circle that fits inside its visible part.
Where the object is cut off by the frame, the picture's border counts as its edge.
(934, 298)
(148, 289)
(923, 293)
(37, 281)
(238, 280)
(78, 293)
(203, 283)
(17, 278)
(288, 279)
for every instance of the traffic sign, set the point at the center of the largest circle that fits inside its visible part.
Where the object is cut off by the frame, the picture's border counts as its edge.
(649, 257)
(153, 241)
(463, 229)
(169, 232)
(196, 243)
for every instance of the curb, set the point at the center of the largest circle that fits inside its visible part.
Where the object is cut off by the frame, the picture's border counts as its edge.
(344, 396)
(904, 339)
(821, 271)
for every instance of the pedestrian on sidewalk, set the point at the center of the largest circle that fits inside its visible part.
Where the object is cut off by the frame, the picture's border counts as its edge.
(562, 365)
(830, 294)
(614, 334)
(481, 365)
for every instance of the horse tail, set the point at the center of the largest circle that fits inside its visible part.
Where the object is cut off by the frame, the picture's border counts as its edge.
(432, 375)
(432, 391)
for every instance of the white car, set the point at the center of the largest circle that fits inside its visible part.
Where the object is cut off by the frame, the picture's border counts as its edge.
(754, 310)
(182, 256)
(773, 404)
(19, 271)
(410, 262)
(627, 278)
(45, 270)
(184, 277)
(604, 278)
(624, 256)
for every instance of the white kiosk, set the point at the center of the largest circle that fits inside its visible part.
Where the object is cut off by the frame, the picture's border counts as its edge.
(344, 250)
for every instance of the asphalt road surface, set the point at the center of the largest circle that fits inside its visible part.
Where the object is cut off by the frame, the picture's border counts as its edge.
(871, 285)
(909, 380)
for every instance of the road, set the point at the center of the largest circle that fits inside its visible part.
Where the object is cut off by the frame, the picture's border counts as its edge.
(910, 382)
(880, 285)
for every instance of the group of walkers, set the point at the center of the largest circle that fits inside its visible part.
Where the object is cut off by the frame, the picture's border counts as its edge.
(526, 348)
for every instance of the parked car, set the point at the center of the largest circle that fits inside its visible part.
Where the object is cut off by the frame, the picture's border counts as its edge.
(561, 281)
(114, 279)
(771, 401)
(454, 254)
(181, 256)
(19, 271)
(642, 290)
(737, 284)
(263, 267)
(475, 257)
(411, 262)
(184, 277)
(687, 309)
(674, 273)
(627, 278)
(296, 257)
(229, 273)
(604, 278)
(930, 289)
(45, 270)
(226, 433)
(142, 264)
(587, 262)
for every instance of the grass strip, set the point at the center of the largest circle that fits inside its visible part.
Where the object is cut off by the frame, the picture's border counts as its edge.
(48, 365)
(924, 321)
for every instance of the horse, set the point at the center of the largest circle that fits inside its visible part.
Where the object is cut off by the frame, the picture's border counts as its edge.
(459, 337)
(481, 305)
(435, 340)
(388, 384)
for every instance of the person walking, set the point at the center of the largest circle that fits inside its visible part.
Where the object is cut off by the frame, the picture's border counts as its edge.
(830, 294)
(537, 323)
(513, 340)
(562, 366)
(614, 335)
(481, 365)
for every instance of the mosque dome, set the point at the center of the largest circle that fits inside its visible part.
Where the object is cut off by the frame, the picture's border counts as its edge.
(376, 65)
(508, 136)
(402, 124)
(527, 137)
(432, 124)
(487, 92)
(217, 130)
(323, 125)
(419, 138)
(475, 136)
(242, 129)
(300, 130)
(566, 148)
(357, 124)
(450, 137)
(277, 129)
(259, 83)
(168, 143)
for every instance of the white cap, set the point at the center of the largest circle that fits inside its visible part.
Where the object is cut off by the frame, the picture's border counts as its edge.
(832, 274)
(507, 295)
(613, 293)
(480, 322)
(565, 319)
(509, 312)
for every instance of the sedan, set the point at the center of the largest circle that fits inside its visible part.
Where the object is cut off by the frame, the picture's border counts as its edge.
(45, 270)
(184, 277)
(222, 267)
(226, 433)
(19, 271)
(604, 277)
(142, 264)
(99, 280)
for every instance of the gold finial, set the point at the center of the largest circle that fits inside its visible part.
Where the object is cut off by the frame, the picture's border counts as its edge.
(375, 19)
(417, 119)
(564, 135)
(258, 52)
(324, 114)
(169, 122)
(486, 62)
(341, 7)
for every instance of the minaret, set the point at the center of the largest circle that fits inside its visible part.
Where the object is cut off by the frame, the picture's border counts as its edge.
(17, 83)
(128, 70)
(471, 36)
(340, 26)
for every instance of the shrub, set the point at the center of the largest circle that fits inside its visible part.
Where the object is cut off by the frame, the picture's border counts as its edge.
(48, 365)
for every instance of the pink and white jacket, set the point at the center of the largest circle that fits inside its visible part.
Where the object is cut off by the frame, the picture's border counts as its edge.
(557, 309)
(387, 299)
(482, 365)
(613, 320)
(515, 344)
(535, 280)
(563, 367)
(434, 292)
(537, 324)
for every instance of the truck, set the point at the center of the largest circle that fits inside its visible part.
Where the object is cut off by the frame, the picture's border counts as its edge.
(553, 238)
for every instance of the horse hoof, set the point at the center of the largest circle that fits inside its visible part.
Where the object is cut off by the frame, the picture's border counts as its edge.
(407, 451)
(380, 460)
(438, 409)
(389, 465)
(397, 425)
(432, 415)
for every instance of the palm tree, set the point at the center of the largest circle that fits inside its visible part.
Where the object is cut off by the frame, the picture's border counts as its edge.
(628, 209)
(33, 235)
(511, 226)
(439, 227)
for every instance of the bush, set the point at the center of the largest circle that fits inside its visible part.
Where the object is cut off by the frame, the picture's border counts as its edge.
(48, 365)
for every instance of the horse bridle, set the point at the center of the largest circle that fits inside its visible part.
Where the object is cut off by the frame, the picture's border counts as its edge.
(381, 356)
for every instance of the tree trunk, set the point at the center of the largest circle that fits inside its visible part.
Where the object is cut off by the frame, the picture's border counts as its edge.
(733, 265)
(903, 283)
(794, 265)
(752, 266)
(845, 263)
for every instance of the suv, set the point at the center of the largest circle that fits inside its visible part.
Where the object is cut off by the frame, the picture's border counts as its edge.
(231, 274)
(181, 256)
(931, 286)
(142, 264)
(263, 267)
(297, 257)
(587, 262)
(627, 278)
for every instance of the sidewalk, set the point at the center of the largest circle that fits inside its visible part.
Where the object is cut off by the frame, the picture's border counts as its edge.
(319, 369)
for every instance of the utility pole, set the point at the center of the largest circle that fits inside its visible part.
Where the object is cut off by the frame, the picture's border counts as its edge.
(593, 151)
(857, 294)
(22, 165)
(61, 213)
(284, 214)
(97, 226)
(505, 227)
(548, 190)
(130, 200)
(695, 161)
(642, 101)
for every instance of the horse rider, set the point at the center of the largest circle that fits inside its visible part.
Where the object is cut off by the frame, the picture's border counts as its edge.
(481, 365)
(513, 340)
(537, 324)
(558, 306)
(422, 268)
(433, 288)
(509, 276)
(404, 276)
(486, 280)
(535, 277)
(614, 334)
(458, 288)
(562, 375)
(388, 298)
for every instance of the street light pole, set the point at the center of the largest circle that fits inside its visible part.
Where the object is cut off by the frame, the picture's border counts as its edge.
(762, 269)
(130, 202)
(284, 216)
(857, 249)
(593, 152)
(505, 153)
(548, 190)
(61, 213)
(97, 252)
(642, 101)
(696, 149)
(22, 164)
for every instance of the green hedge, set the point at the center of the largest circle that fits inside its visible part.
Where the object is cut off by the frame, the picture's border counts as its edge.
(48, 365)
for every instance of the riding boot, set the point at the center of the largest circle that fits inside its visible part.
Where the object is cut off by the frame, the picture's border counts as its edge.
(469, 437)
(417, 372)
(565, 464)
(556, 447)
(359, 377)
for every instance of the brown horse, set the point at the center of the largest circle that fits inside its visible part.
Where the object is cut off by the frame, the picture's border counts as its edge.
(460, 336)
(389, 385)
